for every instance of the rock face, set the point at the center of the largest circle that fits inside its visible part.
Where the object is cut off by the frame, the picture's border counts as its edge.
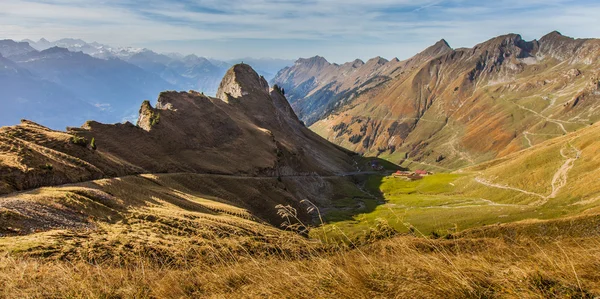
(250, 131)
(466, 105)
(237, 79)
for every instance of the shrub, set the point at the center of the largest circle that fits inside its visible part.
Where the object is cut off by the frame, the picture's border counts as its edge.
(93, 143)
(355, 139)
(47, 166)
(154, 119)
(81, 141)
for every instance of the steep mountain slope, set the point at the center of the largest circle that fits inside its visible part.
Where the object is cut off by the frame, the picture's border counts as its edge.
(250, 131)
(561, 172)
(471, 105)
(316, 87)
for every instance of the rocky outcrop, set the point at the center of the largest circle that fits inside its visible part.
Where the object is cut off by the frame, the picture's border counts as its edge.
(239, 81)
(250, 131)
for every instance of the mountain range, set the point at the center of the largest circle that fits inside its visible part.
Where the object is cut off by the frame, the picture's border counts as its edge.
(233, 196)
(446, 108)
(96, 81)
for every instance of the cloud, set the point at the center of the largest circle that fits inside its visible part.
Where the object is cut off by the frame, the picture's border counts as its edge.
(340, 30)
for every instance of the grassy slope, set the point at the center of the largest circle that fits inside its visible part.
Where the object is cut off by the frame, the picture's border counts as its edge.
(174, 235)
(156, 210)
(447, 203)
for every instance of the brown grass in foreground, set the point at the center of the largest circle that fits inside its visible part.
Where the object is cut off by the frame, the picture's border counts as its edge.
(403, 266)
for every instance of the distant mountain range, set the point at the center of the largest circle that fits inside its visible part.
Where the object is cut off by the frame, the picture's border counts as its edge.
(446, 108)
(49, 81)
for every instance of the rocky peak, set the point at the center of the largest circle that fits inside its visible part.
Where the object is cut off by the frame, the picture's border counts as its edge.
(497, 50)
(239, 81)
(355, 64)
(377, 61)
(146, 116)
(316, 61)
(502, 41)
(561, 47)
(437, 49)
(552, 36)
(440, 46)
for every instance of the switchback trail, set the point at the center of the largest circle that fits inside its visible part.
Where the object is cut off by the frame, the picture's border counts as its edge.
(559, 179)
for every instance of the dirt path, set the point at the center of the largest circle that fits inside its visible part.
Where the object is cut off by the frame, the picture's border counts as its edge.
(463, 155)
(559, 179)
(527, 133)
(557, 122)
(528, 140)
(308, 175)
(548, 119)
(490, 184)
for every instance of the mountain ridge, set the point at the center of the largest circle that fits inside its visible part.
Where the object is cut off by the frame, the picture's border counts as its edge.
(253, 132)
(446, 105)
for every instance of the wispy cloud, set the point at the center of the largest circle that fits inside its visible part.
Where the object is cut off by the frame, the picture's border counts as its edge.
(340, 30)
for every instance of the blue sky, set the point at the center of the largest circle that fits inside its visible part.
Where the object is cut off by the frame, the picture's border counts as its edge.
(340, 30)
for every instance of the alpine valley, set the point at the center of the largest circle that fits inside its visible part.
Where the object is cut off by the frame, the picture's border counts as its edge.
(457, 173)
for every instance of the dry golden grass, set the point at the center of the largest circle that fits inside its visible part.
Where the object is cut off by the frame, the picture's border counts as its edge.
(403, 266)
(168, 236)
(190, 236)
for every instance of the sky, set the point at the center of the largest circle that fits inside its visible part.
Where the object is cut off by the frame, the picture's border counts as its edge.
(339, 30)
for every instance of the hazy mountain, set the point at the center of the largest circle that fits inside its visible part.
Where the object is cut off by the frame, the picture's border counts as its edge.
(93, 49)
(25, 95)
(10, 48)
(55, 82)
(158, 63)
(111, 85)
(448, 108)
